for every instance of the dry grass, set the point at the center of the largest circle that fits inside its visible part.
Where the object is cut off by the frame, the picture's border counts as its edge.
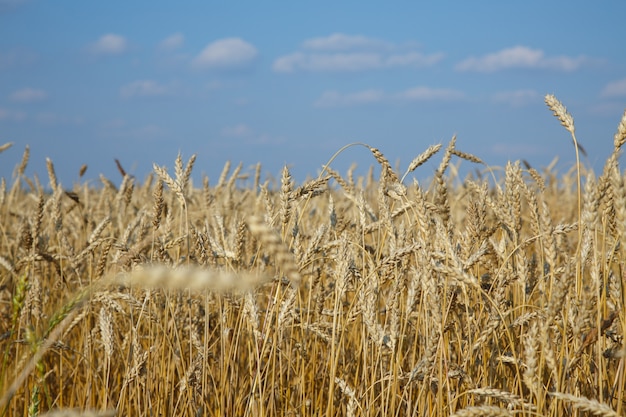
(501, 295)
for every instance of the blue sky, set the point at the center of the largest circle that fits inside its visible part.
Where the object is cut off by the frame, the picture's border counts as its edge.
(292, 82)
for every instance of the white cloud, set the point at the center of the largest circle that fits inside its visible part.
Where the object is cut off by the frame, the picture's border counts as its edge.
(342, 42)
(11, 115)
(144, 88)
(109, 44)
(353, 61)
(119, 129)
(519, 150)
(214, 85)
(47, 118)
(266, 139)
(238, 131)
(50, 118)
(28, 95)
(327, 62)
(16, 58)
(172, 42)
(243, 134)
(430, 94)
(228, 53)
(413, 59)
(336, 99)
(8, 5)
(517, 98)
(607, 108)
(520, 57)
(347, 53)
(241, 101)
(615, 89)
(148, 131)
(114, 124)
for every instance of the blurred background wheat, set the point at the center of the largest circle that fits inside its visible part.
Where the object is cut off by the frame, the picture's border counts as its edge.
(500, 294)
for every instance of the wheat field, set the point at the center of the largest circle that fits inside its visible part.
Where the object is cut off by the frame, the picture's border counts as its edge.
(499, 294)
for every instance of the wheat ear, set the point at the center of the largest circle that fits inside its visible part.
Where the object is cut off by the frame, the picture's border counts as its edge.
(594, 407)
(483, 411)
(5, 146)
(620, 135)
(421, 159)
(275, 246)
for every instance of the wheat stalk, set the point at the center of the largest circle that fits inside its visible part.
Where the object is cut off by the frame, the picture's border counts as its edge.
(79, 413)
